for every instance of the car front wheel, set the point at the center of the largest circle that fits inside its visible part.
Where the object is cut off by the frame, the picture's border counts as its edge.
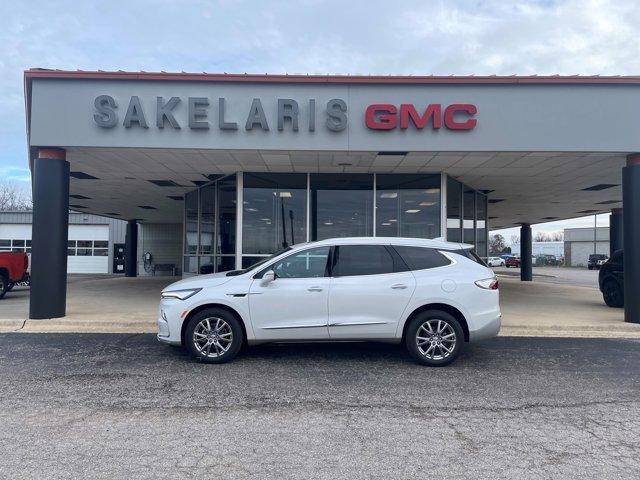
(214, 336)
(434, 338)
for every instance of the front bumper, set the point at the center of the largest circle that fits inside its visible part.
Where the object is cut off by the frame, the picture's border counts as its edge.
(170, 321)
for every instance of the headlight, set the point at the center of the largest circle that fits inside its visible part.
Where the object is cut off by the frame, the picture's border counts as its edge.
(180, 294)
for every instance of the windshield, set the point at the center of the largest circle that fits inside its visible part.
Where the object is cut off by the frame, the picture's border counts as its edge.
(233, 273)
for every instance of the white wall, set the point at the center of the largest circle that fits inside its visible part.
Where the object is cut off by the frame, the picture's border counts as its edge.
(580, 252)
(163, 241)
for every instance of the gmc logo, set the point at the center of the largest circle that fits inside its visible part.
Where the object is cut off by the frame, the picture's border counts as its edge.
(457, 116)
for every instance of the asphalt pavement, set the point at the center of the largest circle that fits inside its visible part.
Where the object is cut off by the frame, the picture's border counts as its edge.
(124, 406)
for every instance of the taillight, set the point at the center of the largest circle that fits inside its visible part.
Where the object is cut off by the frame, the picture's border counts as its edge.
(488, 283)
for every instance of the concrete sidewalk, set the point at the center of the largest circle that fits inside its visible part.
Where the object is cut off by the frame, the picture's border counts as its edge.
(110, 304)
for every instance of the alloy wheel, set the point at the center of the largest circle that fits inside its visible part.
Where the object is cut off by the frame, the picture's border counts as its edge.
(436, 339)
(212, 337)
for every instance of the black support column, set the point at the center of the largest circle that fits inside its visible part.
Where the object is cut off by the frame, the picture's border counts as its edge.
(631, 237)
(616, 231)
(526, 267)
(50, 230)
(131, 249)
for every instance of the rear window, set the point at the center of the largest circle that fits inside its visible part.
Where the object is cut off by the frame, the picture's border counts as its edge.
(470, 254)
(421, 258)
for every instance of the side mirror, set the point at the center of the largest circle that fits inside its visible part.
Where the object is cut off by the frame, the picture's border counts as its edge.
(268, 277)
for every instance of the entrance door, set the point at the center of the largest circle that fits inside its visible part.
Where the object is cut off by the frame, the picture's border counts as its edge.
(369, 291)
(294, 305)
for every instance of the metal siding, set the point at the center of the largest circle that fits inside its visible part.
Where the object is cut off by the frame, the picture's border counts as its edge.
(163, 241)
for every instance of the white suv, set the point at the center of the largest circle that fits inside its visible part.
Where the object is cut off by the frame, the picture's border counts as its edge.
(432, 295)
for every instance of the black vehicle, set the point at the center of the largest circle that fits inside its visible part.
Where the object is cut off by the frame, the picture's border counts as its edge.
(545, 260)
(610, 280)
(596, 260)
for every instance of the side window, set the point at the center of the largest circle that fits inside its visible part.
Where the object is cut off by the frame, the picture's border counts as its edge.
(362, 260)
(420, 258)
(306, 264)
(470, 254)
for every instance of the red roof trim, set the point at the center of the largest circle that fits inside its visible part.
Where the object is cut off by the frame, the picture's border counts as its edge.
(334, 79)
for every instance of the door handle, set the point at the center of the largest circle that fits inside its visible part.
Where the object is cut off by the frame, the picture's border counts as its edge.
(399, 286)
(314, 289)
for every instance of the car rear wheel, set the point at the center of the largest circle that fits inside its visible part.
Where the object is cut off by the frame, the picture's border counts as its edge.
(434, 338)
(214, 336)
(4, 284)
(612, 294)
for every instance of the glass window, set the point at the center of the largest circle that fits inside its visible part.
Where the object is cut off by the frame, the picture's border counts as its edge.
(420, 258)
(481, 225)
(274, 211)
(71, 252)
(4, 243)
(469, 216)
(190, 264)
(225, 263)
(306, 264)
(191, 223)
(83, 252)
(341, 205)
(362, 260)
(71, 244)
(100, 252)
(248, 261)
(28, 243)
(454, 197)
(18, 243)
(227, 215)
(85, 244)
(100, 244)
(408, 206)
(207, 219)
(207, 265)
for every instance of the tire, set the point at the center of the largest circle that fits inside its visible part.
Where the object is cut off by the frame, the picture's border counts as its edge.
(590, 267)
(4, 283)
(209, 344)
(434, 352)
(612, 294)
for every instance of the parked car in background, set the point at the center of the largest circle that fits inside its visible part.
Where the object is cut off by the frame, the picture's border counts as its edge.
(504, 256)
(610, 280)
(512, 261)
(432, 296)
(596, 260)
(14, 268)
(495, 262)
(546, 260)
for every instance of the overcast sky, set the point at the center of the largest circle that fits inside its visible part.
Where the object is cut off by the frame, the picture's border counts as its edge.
(312, 36)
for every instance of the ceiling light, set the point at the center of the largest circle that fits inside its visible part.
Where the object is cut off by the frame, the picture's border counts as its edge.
(413, 210)
(389, 195)
(328, 223)
(427, 204)
(432, 190)
(386, 224)
(265, 219)
(282, 194)
(393, 220)
(251, 209)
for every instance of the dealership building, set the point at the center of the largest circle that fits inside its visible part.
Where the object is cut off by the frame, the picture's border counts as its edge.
(224, 169)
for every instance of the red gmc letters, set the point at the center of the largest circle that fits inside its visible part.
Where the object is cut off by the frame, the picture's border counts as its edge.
(457, 116)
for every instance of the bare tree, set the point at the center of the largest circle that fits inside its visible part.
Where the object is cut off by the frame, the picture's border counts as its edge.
(557, 236)
(541, 237)
(14, 198)
(515, 239)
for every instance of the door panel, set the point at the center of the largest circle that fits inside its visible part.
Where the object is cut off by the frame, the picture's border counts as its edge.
(295, 305)
(368, 295)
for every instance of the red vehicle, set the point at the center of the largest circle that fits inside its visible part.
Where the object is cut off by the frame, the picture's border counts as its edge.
(512, 262)
(14, 267)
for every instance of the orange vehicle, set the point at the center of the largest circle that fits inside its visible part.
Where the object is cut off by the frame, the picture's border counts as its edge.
(14, 268)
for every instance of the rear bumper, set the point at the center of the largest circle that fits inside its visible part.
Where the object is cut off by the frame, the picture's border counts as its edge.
(488, 329)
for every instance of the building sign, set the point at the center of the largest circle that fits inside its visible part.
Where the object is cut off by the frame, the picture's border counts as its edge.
(334, 115)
